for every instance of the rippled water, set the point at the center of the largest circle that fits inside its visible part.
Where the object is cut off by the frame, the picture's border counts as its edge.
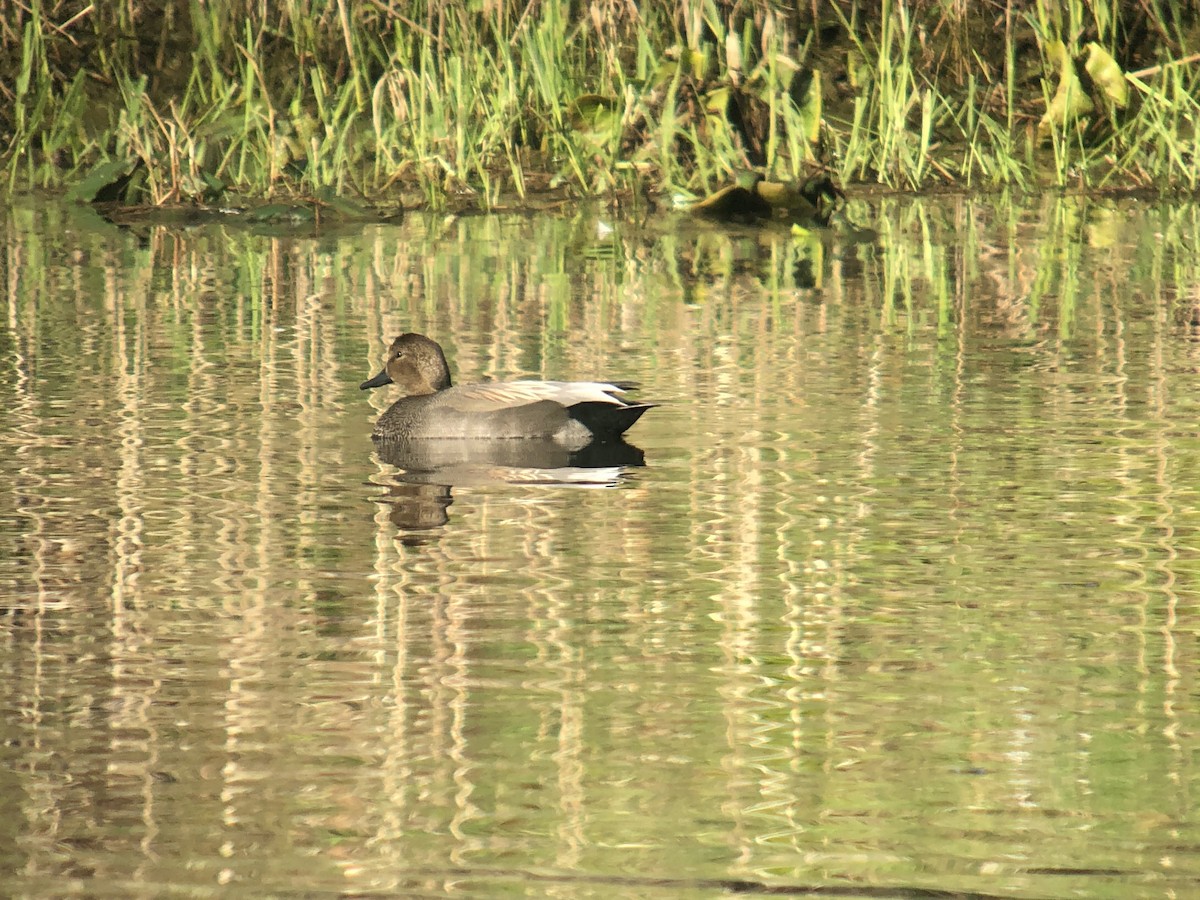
(903, 597)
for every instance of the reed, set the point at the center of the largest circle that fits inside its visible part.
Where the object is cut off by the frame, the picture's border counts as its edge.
(433, 103)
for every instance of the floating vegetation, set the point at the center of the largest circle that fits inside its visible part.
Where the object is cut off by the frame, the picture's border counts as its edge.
(810, 203)
(464, 105)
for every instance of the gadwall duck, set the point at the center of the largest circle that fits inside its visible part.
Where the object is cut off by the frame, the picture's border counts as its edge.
(571, 413)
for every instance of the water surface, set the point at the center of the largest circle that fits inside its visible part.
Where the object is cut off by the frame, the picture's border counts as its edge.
(903, 597)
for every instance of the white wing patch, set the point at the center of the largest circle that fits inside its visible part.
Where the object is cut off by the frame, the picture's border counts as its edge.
(495, 395)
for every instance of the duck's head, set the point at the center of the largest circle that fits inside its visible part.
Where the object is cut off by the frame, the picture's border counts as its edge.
(416, 364)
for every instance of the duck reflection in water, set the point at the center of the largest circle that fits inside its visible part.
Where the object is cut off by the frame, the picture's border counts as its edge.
(427, 470)
(515, 432)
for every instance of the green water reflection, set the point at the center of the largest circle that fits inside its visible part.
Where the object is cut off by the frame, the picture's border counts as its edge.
(903, 598)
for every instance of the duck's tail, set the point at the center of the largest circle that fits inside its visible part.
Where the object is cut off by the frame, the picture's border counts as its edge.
(608, 421)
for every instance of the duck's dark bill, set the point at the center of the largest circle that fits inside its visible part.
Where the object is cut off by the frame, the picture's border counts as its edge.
(378, 381)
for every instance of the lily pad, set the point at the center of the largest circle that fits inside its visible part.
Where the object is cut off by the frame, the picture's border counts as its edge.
(805, 92)
(107, 182)
(1107, 75)
(734, 203)
(812, 201)
(596, 117)
(347, 209)
(282, 213)
(214, 187)
(1070, 100)
(681, 61)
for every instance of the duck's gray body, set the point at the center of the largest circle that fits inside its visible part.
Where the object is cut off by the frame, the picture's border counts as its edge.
(570, 413)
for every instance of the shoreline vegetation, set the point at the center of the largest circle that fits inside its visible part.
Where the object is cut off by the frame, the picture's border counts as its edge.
(389, 104)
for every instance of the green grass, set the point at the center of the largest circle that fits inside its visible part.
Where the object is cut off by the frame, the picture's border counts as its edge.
(459, 104)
